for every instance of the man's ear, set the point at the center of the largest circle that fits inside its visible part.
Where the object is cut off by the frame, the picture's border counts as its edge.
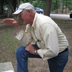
(29, 10)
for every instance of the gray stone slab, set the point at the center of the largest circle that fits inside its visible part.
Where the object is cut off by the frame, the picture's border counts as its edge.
(6, 67)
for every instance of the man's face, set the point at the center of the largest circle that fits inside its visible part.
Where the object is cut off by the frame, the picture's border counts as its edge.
(24, 16)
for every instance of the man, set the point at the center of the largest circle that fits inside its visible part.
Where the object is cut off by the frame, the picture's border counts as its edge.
(41, 39)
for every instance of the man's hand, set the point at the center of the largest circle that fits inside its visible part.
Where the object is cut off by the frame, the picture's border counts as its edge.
(30, 49)
(12, 22)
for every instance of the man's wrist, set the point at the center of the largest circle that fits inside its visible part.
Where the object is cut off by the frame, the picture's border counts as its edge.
(18, 28)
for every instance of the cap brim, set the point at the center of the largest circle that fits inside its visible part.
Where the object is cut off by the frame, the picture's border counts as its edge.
(17, 12)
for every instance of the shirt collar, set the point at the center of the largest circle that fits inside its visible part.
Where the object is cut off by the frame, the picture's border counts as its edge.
(34, 21)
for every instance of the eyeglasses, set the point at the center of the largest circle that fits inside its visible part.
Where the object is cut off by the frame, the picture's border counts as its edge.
(20, 15)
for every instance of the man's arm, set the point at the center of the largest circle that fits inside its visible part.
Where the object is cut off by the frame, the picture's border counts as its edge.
(23, 37)
(14, 23)
(50, 39)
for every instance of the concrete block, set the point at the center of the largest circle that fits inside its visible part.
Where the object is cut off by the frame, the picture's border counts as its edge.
(6, 67)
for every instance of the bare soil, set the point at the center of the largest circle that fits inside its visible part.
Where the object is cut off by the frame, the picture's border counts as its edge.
(34, 64)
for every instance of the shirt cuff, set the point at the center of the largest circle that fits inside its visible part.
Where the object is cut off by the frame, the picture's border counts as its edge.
(40, 53)
(20, 35)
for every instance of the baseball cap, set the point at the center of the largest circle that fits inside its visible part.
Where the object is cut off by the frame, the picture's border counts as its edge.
(24, 6)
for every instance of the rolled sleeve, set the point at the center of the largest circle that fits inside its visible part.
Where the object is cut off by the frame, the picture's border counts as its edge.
(40, 53)
(24, 37)
(20, 35)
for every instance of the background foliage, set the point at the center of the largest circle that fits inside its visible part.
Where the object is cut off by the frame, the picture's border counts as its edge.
(57, 6)
(41, 3)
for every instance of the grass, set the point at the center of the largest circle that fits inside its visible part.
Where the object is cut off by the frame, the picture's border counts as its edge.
(8, 45)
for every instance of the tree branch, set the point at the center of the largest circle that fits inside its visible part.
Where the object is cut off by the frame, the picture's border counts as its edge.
(10, 5)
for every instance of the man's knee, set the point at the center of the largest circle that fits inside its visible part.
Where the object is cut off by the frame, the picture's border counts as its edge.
(20, 50)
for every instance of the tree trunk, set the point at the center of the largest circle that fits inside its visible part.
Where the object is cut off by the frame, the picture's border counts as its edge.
(1, 7)
(15, 3)
(66, 7)
(9, 11)
(12, 7)
(61, 6)
(47, 7)
(18, 3)
(31, 1)
(56, 6)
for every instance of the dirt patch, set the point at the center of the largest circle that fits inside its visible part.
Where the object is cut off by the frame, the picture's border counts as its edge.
(8, 46)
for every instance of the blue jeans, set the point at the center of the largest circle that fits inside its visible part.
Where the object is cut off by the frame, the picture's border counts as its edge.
(56, 64)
